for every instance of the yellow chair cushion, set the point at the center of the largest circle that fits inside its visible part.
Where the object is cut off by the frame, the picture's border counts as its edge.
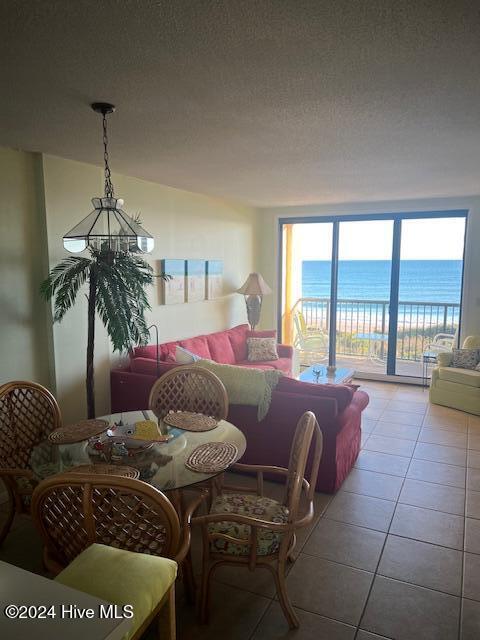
(262, 508)
(121, 577)
(469, 377)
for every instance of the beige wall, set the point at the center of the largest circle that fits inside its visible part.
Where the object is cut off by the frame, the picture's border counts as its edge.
(42, 197)
(268, 257)
(185, 225)
(25, 337)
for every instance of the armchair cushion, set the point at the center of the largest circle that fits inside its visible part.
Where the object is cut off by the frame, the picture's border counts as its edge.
(444, 359)
(468, 377)
(121, 577)
(263, 508)
(472, 342)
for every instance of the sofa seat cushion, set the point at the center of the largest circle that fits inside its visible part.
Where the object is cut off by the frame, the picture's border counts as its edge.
(198, 346)
(221, 348)
(342, 393)
(121, 577)
(256, 365)
(238, 340)
(282, 364)
(260, 507)
(469, 377)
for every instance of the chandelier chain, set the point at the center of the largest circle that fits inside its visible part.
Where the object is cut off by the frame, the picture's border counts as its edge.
(108, 175)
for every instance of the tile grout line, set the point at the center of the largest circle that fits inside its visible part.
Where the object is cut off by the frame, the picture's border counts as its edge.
(375, 573)
(462, 590)
(382, 575)
(273, 598)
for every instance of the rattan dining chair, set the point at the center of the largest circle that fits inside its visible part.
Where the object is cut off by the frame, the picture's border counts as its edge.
(74, 510)
(188, 388)
(79, 514)
(28, 413)
(255, 531)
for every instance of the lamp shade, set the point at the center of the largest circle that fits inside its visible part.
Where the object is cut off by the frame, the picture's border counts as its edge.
(255, 285)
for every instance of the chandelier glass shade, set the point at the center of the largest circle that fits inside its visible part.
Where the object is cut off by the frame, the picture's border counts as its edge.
(108, 228)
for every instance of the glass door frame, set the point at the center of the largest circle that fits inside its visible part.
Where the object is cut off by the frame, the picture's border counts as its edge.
(394, 275)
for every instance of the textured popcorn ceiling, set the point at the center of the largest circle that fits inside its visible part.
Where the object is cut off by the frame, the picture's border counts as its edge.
(265, 101)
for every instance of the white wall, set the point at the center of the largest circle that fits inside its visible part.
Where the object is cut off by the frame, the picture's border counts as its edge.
(268, 256)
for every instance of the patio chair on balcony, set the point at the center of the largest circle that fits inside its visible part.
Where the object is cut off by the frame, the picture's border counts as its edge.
(311, 343)
(442, 343)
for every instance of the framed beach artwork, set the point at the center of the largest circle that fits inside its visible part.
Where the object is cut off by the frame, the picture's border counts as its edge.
(214, 284)
(173, 290)
(195, 278)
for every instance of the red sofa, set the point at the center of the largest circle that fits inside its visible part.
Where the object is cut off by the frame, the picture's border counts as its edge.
(338, 409)
(225, 347)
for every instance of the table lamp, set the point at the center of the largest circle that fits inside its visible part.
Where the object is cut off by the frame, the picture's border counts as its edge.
(254, 289)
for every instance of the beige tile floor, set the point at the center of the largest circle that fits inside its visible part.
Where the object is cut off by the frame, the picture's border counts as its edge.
(395, 554)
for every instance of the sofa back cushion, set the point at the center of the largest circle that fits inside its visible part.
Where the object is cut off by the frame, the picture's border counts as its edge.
(147, 351)
(269, 333)
(238, 340)
(342, 393)
(166, 351)
(198, 346)
(221, 349)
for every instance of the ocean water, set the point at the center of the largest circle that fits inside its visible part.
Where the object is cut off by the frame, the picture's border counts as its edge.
(420, 280)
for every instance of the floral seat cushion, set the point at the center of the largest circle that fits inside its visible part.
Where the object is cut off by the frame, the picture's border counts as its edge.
(262, 508)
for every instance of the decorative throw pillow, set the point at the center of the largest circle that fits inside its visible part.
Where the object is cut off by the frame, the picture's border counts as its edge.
(465, 358)
(262, 349)
(184, 356)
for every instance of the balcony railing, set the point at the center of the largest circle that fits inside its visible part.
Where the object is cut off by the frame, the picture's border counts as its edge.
(361, 322)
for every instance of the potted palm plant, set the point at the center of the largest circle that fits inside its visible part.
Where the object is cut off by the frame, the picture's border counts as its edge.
(116, 291)
(116, 275)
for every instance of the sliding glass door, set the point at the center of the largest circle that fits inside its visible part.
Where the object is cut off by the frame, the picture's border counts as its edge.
(430, 289)
(363, 294)
(379, 294)
(307, 290)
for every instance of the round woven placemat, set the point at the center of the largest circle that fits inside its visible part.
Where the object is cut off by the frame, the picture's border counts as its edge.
(190, 421)
(78, 431)
(212, 457)
(108, 469)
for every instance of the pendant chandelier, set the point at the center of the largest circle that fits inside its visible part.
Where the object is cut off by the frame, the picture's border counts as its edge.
(108, 228)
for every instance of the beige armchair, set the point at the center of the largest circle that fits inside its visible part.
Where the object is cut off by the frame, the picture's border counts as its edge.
(454, 387)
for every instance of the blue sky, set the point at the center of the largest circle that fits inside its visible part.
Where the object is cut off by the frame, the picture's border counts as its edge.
(429, 239)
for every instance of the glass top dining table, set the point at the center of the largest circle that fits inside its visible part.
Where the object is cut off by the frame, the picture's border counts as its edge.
(162, 464)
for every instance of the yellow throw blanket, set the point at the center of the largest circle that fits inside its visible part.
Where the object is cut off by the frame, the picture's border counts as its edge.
(245, 385)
